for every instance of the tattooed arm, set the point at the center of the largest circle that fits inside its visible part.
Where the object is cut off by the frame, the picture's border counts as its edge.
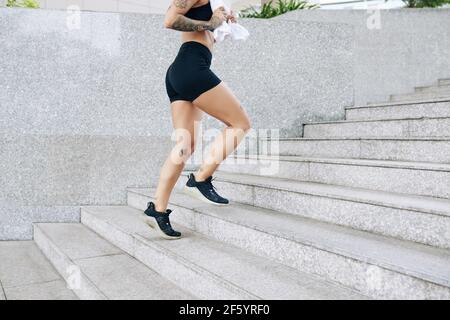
(176, 20)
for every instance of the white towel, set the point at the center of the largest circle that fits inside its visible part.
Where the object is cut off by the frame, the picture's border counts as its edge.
(227, 29)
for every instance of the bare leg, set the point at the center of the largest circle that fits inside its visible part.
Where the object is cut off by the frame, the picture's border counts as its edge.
(221, 103)
(185, 118)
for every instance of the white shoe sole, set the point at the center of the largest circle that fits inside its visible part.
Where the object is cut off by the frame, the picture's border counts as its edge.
(194, 192)
(154, 225)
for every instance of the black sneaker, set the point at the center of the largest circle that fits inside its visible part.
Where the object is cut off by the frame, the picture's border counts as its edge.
(162, 222)
(204, 190)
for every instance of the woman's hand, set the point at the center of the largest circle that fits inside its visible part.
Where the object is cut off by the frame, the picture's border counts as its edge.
(232, 17)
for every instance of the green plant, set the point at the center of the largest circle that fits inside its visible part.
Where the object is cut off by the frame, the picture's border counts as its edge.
(425, 3)
(268, 10)
(23, 4)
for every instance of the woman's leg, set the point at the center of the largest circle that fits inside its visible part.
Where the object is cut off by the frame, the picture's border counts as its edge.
(186, 119)
(221, 103)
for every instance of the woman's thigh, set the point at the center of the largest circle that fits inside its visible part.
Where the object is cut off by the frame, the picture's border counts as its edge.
(222, 104)
(186, 118)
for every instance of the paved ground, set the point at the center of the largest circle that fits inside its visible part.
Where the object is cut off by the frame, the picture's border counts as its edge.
(25, 274)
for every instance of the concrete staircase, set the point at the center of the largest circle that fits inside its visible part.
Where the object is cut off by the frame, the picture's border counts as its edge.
(355, 209)
(440, 90)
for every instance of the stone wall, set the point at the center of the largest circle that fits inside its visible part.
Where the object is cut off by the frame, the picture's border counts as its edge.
(84, 111)
(395, 50)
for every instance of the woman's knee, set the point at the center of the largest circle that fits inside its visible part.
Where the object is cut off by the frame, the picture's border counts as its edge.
(243, 124)
(192, 147)
(186, 143)
(188, 147)
(181, 153)
(246, 126)
(186, 150)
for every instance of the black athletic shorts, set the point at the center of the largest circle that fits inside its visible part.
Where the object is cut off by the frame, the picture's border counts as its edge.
(190, 75)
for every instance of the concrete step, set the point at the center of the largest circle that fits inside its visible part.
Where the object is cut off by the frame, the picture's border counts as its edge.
(208, 268)
(415, 178)
(389, 148)
(399, 110)
(434, 89)
(377, 266)
(419, 219)
(444, 82)
(25, 274)
(98, 270)
(424, 127)
(419, 96)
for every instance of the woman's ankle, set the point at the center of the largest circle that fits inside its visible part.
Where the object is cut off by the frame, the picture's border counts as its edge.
(160, 208)
(199, 177)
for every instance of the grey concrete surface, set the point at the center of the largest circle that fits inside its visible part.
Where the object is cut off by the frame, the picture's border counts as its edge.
(433, 89)
(2, 293)
(210, 269)
(432, 150)
(23, 264)
(394, 176)
(398, 149)
(400, 110)
(84, 112)
(108, 76)
(396, 57)
(138, 6)
(16, 220)
(77, 242)
(424, 127)
(46, 178)
(419, 96)
(82, 286)
(105, 271)
(25, 274)
(394, 269)
(420, 219)
(53, 290)
(389, 199)
(129, 279)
